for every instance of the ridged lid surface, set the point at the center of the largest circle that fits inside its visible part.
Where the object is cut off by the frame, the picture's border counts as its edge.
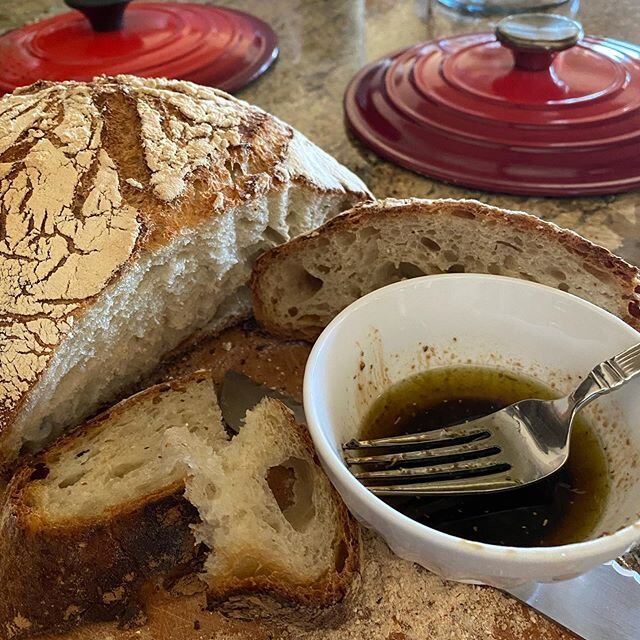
(209, 45)
(494, 113)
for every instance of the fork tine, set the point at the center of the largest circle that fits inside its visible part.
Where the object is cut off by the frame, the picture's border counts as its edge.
(479, 466)
(439, 437)
(460, 486)
(629, 360)
(482, 448)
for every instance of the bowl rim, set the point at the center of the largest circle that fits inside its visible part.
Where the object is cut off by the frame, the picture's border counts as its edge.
(604, 544)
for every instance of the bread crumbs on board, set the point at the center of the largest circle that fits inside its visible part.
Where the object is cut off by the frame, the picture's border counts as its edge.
(399, 600)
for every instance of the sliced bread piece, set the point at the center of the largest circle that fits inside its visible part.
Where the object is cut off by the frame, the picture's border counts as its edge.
(88, 521)
(86, 524)
(299, 287)
(131, 212)
(276, 525)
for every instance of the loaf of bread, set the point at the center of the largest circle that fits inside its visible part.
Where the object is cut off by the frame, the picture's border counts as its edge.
(87, 523)
(300, 287)
(131, 213)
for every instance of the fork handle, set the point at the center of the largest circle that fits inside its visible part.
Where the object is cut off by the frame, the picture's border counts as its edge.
(606, 377)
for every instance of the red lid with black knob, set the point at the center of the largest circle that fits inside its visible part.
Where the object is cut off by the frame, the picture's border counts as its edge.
(205, 44)
(534, 109)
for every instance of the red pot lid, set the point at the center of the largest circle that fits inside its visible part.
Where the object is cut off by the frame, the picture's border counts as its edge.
(524, 111)
(204, 44)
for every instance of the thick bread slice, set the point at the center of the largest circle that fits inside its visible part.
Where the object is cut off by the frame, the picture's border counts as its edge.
(275, 524)
(102, 510)
(130, 213)
(299, 288)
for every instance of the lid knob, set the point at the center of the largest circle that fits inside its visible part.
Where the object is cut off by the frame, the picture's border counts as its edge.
(104, 15)
(536, 38)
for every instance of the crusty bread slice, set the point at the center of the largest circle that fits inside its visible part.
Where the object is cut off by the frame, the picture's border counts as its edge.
(86, 524)
(102, 510)
(299, 287)
(132, 212)
(270, 514)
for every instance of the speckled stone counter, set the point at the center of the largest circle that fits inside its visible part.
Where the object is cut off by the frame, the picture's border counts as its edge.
(324, 42)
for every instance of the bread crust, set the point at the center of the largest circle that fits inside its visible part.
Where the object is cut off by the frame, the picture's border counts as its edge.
(596, 256)
(55, 579)
(58, 574)
(96, 175)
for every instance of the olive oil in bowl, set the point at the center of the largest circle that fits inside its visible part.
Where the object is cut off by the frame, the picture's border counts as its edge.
(561, 509)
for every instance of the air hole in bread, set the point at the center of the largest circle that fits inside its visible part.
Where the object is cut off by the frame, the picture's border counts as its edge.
(451, 256)
(292, 486)
(303, 283)
(234, 170)
(389, 272)
(293, 311)
(596, 273)
(40, 472)
(342, 553)
(494, 269)
(527, 276)
(126, 468)
(323, 268)
(463, 213)
(410, 270)
(556, 273)
(369, 233)
(563, 286)
(346, 239)
(311, 319)
(69, 481)
(210, 491)
(430, 244)
(508, 244)
(456, 268)
(509, 262)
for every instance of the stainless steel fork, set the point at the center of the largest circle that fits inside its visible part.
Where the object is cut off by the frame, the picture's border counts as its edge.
(515, 446)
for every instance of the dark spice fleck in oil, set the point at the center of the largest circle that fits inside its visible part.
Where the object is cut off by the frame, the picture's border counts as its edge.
(561, 509)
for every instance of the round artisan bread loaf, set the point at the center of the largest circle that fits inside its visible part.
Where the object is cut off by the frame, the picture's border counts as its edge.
(130, 214)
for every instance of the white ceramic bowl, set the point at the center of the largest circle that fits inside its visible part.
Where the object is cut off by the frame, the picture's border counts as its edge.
(476, 319)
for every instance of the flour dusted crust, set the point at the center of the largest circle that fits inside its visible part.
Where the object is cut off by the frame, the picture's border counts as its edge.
(94, 175)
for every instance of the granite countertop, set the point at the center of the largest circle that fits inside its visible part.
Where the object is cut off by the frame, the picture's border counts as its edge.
(324, 42)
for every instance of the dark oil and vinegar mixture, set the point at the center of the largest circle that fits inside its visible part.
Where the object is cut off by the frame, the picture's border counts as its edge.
(561, 509)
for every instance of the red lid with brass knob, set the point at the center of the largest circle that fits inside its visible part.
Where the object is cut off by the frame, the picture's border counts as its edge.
(534, 109)
(210, 45)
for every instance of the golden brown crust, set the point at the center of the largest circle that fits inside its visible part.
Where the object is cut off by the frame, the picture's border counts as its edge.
(596, 257)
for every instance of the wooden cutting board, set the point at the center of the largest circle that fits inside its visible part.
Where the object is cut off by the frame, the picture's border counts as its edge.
(394, 599)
